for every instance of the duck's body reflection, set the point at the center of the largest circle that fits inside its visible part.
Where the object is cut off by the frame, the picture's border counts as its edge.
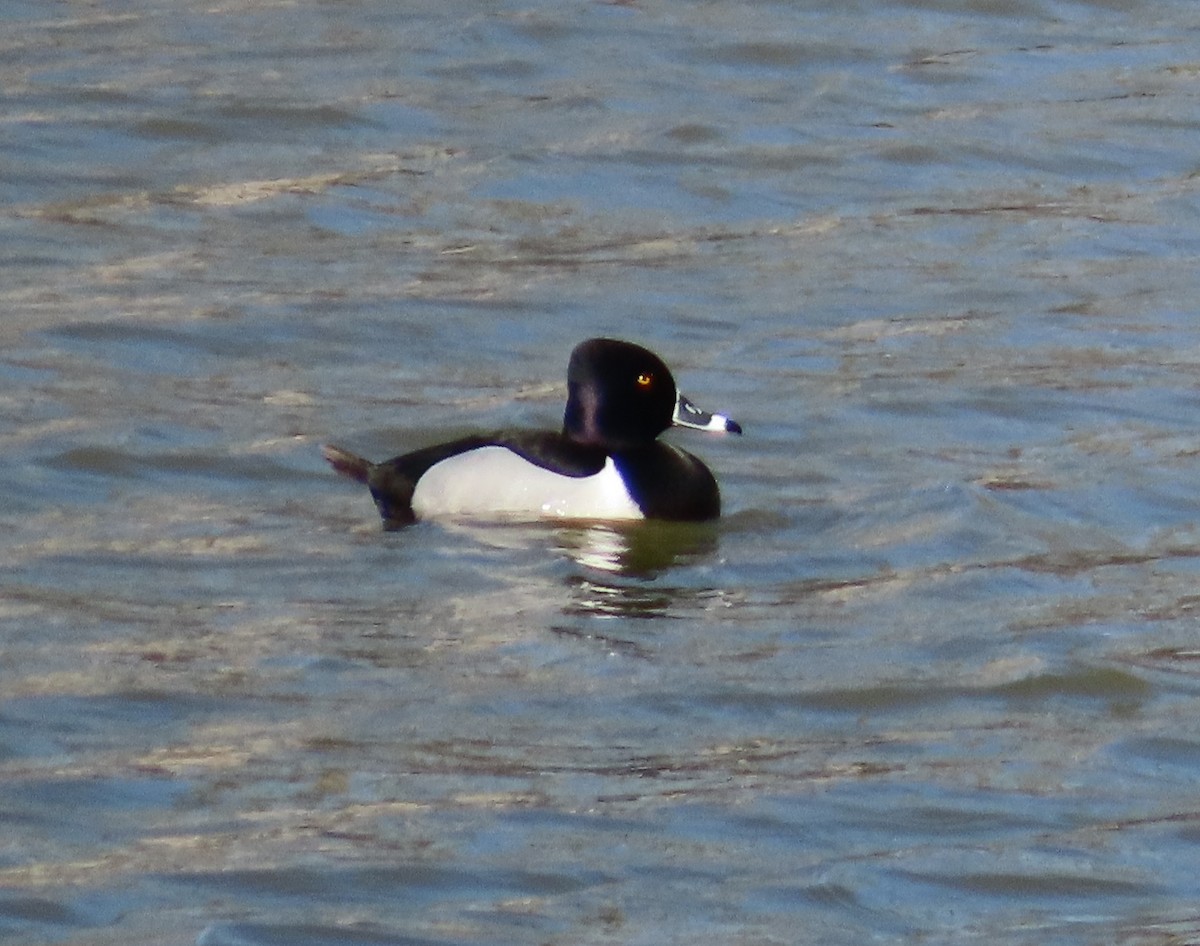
(617, 568)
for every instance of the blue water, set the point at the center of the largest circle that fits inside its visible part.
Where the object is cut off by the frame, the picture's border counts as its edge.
(932, 677)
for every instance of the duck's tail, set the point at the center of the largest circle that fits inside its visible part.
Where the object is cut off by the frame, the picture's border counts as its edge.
(347, 463)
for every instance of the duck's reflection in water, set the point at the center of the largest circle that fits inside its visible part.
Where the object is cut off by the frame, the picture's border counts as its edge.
(637, 550)
(608, 570)
(619, 565)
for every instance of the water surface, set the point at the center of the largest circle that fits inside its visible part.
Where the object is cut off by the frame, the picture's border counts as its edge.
(932, 678)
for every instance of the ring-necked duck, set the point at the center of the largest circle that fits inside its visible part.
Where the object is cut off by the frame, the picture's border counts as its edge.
(605, 464)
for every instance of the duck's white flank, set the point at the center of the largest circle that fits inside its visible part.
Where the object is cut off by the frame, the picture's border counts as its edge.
(493, 481)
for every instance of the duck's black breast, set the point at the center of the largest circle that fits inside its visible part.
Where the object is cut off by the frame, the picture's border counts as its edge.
(669, 483)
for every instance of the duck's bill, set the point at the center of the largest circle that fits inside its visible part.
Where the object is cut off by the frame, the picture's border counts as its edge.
(688, 414)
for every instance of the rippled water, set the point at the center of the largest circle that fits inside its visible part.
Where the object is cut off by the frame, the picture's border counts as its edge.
(933, 678)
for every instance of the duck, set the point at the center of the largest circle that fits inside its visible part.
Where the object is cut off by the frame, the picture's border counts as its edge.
(606, 463)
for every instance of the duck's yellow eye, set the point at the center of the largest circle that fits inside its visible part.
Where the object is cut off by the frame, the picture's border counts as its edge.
(644, 380)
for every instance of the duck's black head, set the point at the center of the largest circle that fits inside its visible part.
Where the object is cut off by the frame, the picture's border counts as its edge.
(620, 395)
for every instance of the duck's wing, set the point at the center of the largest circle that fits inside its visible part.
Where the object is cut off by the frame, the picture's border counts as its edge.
(553, 451)
(393, 481)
